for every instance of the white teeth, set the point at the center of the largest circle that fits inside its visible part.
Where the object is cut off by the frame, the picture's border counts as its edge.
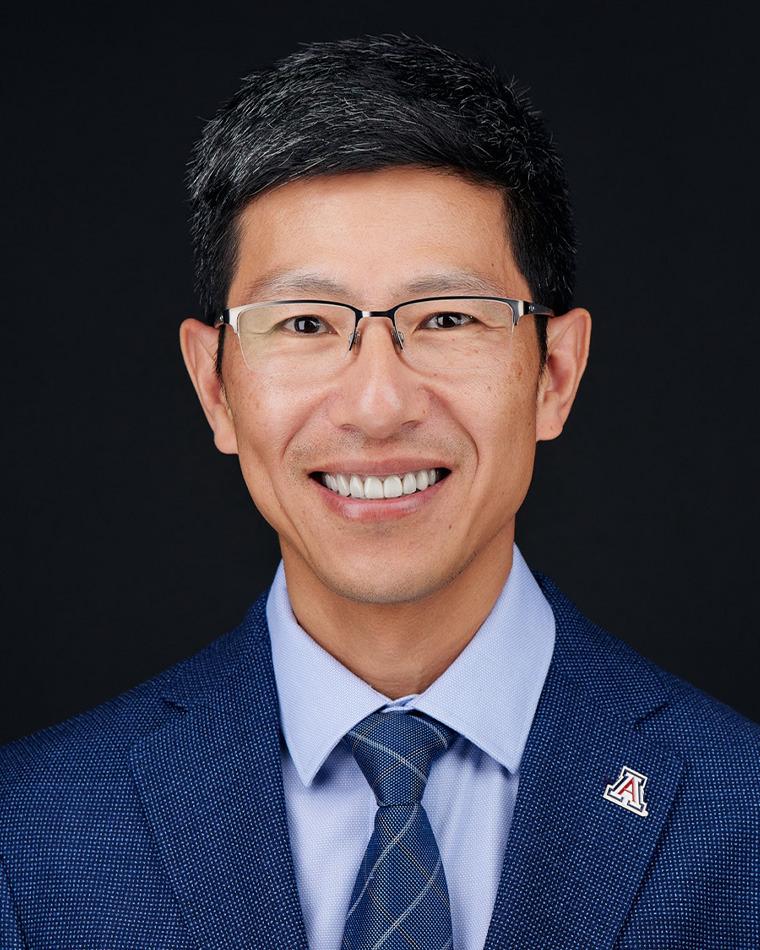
(392, 486)
(357, 489)
(373, 487)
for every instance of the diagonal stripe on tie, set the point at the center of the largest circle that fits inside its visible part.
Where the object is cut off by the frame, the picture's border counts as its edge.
(400, 899)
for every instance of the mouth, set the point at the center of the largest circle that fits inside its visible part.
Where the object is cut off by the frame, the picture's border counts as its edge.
(381, 488)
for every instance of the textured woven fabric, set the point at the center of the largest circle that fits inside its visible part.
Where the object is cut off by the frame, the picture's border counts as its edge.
(400, 898)
(157, 820)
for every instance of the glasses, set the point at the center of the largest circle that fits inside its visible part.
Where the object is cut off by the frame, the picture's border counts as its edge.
(435, 334)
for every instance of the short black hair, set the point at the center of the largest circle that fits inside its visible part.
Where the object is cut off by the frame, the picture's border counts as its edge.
(374, 102)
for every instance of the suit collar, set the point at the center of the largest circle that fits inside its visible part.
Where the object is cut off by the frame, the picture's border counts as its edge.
(211, 784)
(199, 679)
(614, 679)
(574, 860)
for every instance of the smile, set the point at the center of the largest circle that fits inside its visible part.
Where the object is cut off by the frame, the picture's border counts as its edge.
(373, 487)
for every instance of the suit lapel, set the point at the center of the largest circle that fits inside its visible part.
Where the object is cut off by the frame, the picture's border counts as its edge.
(211, 785)
(575, 860)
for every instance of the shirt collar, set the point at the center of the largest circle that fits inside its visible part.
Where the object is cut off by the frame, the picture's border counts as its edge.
(488, 694)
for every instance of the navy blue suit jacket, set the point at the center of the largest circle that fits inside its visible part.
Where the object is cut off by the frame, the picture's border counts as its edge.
(157, 820)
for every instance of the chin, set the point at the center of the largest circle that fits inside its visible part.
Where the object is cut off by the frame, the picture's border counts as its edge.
(396, 587)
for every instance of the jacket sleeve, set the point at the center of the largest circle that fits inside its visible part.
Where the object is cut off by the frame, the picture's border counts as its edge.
(10, 928)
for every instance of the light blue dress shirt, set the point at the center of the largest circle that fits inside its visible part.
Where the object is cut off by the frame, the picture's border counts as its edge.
(488, 695)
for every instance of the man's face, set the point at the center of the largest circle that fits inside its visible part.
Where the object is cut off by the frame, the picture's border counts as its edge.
(375, 239)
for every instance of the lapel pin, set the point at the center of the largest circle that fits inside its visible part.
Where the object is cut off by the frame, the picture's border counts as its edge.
(628, 791)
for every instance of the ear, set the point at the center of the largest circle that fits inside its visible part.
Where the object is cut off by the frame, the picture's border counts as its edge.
(567, 342)
(198, 343)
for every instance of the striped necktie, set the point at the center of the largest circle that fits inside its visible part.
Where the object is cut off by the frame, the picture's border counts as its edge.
(400, 899)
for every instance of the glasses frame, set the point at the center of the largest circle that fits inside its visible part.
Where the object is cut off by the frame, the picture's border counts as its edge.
(520, 308)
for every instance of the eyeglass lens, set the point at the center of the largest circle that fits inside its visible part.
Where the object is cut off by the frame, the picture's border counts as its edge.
(314, 338)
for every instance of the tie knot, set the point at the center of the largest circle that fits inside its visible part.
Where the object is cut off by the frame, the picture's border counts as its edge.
(395, 750)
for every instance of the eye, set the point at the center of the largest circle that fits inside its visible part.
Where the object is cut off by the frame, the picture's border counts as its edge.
(305, 325)
(447, 320)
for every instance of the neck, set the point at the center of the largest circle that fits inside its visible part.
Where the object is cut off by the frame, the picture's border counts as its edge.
(400, 648)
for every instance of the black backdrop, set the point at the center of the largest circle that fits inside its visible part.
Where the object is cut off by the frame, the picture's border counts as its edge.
(131, 542)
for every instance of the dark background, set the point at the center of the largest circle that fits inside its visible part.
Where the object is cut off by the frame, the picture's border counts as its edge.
(132, 542)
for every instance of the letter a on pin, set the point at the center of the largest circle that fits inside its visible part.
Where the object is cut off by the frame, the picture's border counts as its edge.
(628, 791)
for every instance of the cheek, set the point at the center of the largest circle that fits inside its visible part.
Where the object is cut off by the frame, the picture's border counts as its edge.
(503, 405)
(513, 436)
(265, 420)
(504, 429)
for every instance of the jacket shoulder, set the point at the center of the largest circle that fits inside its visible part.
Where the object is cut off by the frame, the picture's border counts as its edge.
(617, 676)
(98, 739)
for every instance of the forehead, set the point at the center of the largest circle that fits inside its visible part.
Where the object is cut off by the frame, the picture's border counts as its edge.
(375, 237)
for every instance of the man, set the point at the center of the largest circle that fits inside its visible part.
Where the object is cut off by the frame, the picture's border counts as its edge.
(411, 740)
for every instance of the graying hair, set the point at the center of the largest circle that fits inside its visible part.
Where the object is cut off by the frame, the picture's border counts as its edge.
(373, 102)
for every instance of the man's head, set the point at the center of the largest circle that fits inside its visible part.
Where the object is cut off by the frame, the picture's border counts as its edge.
(383, 169)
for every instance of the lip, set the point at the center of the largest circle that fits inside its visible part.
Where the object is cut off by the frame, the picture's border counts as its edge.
(380, 509)
(364, 467)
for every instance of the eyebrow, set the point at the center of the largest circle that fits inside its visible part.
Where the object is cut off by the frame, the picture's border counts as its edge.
(287, 283)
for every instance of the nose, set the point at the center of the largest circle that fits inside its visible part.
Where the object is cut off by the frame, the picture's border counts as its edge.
(378, 392)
